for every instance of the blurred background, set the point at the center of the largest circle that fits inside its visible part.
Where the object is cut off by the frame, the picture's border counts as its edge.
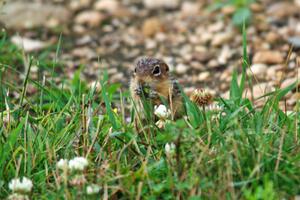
(201, 40)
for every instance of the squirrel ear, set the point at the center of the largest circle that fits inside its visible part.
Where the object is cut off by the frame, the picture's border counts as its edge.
(167, 67)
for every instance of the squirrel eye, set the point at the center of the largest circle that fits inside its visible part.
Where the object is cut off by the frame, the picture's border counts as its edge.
(156, 71)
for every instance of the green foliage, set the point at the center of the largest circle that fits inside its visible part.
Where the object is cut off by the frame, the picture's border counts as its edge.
(242, 9)
(237, 152)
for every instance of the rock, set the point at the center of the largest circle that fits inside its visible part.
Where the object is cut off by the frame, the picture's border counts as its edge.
(256, 7)
(293, 99)
(77, 5)
(151, 26)
(281, 10)
(216, 27)
(84, 52)
(189, 8)
(259, 90)
(228, 10)
(203, 76)
(181, 68)
(268, 57)
(118, 77)
(90, 18)
(221, 38)
(157, 4)
(24, 15)
(295, 41)
(288, 82)
(258, 70)
(225, 54)
(202, 54)
(150, 44)
(213, 63)
(272, 37)
(28, 44)
(110, 6)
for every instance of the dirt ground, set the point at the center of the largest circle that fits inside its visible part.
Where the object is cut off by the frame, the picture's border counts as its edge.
(200, 43)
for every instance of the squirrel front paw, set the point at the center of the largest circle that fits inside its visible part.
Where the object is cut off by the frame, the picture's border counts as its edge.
(138, 91)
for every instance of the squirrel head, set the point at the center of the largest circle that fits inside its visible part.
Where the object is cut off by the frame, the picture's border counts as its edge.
(151, 68)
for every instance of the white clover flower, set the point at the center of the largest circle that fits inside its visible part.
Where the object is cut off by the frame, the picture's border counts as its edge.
(160, 123)
(78, 163)
(169, 148)
(17, 185)
(162, 112)
(62, 164)
(92, 189)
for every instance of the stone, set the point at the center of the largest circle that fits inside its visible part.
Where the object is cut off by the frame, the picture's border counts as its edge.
(295, 41)
(181, 68)
(256, 7)
(28, 44)
(268, 57)
(203, 76)
(158, 4)
(151, 26)
(225, 54)
(110, 6)
(118, 77)
(228, 10)
(272, 37)
(258, 70)
(24, 15)
(288, 82)
(221, 38)
(281, 10)
(259, 90)
(90, 18)
(189, 8)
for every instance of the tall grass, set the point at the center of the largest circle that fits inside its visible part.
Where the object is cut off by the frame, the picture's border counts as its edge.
(238, 152)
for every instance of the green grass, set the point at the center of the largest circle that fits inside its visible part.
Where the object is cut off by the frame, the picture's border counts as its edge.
(239, 152)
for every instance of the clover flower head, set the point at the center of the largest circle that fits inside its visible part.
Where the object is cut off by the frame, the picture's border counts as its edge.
(162, 111)
(62, 164)
(169, 148)
(201, 97)
(92, 189)
(78, 163)
(18, 185)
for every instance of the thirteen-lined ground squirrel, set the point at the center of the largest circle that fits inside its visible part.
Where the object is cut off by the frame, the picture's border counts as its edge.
(151, 79)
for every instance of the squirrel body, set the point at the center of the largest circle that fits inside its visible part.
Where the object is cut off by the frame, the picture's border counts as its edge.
(151, 80)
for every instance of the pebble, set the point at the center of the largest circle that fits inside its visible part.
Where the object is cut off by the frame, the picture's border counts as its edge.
(259, 90)
(295, 41)
(24, 15)
(221, 38)
(151, 26)
(110, 6)
(181, 68)
(268, 57)
(203, 76)
(158, 4)
(28, 44)
(281, 10)
(288, 82)
(90, 18)
(228, 10)
(189, 8)
(272, 37)
(258, 70)
(118, 77)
